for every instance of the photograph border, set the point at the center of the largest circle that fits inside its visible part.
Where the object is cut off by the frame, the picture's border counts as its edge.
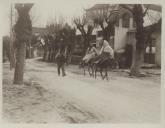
(109, 125)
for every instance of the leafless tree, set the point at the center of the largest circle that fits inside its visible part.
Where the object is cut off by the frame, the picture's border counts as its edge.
(60, 36)
(81, 23)
(53, 29)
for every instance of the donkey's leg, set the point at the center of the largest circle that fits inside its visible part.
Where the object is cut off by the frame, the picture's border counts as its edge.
(84, 70)
(106, 73)
(90, 70)
(95, 71)
(101, 73)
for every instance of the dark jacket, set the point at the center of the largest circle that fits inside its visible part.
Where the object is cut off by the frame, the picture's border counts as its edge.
(60, 58)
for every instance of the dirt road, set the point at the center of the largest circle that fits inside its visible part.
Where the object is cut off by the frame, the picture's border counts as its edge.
(81, 99)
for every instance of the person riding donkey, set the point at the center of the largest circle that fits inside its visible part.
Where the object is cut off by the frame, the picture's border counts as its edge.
(104, 60)
(106, 53)
(90, 53)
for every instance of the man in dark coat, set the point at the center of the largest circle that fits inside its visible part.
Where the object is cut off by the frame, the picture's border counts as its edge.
(61, 59)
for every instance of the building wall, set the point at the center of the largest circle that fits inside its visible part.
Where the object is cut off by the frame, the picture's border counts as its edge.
(157, 36)
(120, 38)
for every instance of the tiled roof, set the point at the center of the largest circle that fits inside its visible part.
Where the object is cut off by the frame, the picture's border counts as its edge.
(153, 7)
(152, 16)
(101, 6)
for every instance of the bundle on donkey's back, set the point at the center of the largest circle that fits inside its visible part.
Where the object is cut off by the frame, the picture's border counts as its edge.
(106, 53)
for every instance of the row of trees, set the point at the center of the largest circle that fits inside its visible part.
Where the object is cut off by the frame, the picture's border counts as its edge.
(60, 36)
(81, 23)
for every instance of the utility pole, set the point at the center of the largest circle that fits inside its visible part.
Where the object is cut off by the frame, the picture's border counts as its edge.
(12, 62)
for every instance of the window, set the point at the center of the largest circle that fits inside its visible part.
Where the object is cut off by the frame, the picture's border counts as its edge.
(126, 21)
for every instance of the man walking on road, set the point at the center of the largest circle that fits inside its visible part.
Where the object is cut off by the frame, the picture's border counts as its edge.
(61, 59)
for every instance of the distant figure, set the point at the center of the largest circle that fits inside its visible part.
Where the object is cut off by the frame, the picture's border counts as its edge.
(90, 53)
(60, 59)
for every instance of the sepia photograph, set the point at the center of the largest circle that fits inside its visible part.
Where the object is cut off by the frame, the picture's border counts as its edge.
(81, 62)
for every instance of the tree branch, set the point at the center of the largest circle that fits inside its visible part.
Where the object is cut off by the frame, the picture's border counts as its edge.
(90, 29)
(126, 7)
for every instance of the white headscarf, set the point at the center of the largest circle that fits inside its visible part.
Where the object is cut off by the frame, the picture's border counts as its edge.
(107, 48)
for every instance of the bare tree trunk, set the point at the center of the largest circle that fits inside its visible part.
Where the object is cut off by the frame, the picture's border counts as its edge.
(138, 57)
(20, 57)
(138, 54)
(23, 30)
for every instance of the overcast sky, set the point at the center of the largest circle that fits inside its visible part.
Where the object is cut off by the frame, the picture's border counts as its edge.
(44, 11)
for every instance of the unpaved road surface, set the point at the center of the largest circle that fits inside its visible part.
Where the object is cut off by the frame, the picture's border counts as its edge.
(47, 98)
